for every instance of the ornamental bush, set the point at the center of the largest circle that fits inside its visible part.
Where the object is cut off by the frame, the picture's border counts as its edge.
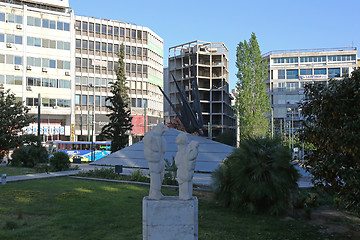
(60, 161)
(258, 177)
(29, 156)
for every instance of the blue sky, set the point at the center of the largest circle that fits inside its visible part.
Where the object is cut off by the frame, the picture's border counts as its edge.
(278, 24)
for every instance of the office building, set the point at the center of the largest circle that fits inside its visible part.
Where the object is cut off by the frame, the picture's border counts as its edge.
(70, 60)
(36, 42)
(289, 71)
(97, 44)
(208, 64)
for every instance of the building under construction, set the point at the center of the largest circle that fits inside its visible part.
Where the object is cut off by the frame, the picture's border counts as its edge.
(208, 64)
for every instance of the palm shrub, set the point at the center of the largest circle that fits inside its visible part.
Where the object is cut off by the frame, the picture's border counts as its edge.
(258, 176)
(60, 161)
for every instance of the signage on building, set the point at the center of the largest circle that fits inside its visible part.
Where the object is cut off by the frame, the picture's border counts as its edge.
(99, 63)
(72, 135)
(46, 129)
(309, 77)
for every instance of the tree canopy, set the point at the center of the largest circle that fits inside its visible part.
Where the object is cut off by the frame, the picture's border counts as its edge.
(13, 118)
(120, 118)
(332, 124)
(252, 102)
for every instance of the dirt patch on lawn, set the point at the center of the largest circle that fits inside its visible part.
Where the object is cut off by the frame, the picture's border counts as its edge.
(334, 221)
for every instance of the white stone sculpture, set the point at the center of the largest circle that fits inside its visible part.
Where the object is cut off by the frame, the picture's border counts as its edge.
(154, 150)
(185, 160)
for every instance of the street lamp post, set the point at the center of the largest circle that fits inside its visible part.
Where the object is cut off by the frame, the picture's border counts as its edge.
(292, 130)
(93, 123)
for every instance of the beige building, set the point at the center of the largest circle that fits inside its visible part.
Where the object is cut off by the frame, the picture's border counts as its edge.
(97, 44)
(289, 71)
(208, 64)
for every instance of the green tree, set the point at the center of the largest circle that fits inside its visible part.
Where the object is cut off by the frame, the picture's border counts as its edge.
(120, 118)
(252, 102)
(13, 118)
(332, 124)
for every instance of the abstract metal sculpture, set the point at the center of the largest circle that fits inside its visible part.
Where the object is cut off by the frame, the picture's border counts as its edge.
(190, 116)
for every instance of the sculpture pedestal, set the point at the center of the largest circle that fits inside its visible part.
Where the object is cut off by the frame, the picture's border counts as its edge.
(170, 219)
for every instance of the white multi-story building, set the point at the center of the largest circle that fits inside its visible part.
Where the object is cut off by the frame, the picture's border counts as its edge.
(289, 71)
(69, 60)
(37, 58)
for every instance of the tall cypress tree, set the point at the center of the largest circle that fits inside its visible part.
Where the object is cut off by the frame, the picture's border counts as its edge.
(120, 118)
(252, 102)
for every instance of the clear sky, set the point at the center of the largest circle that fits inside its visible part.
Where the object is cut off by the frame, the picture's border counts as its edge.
(278, 24)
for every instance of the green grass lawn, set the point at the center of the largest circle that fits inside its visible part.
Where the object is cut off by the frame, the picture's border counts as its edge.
(13, 171)
(66, 208)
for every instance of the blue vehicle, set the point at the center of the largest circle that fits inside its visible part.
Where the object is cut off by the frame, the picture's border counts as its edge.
(82, 149)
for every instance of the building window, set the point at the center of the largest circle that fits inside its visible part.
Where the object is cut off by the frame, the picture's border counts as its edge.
(103, 47)
(292, 86)
(97, 46)
(122, 32)
(116, 48)
(91, 27)
(84, 100)
(139, 68)
(133, 33)
(84, 62)
(78, 43)
(103, 101)
(84, 44)
(110, 30)
(97, 28)
(281, 86)
(66, 26)
(320, 71)
(127, 50)
(52, 63)
(77, 80)
(84, 26)
(91, 45)
(133, 51)
(2, 17)
(305, 71)
(103, 28)
(84, 80)
(2, 37)
(345, 72)
(60, 26)
(133, 67)
(139, 34)
(144, 52)
(292, 74)
(138, 102)
(116, 31)
(18, 60)
(77, 24)
(78, 62)
(45, 82)
(127, 67)
(77, 99)
(334, 72)
(52, 24)
(133, 102)
(281, 74)
(97, 100)
(110, 47)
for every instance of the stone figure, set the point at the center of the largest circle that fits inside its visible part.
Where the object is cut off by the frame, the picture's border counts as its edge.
(185, 160)
(154, 150)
